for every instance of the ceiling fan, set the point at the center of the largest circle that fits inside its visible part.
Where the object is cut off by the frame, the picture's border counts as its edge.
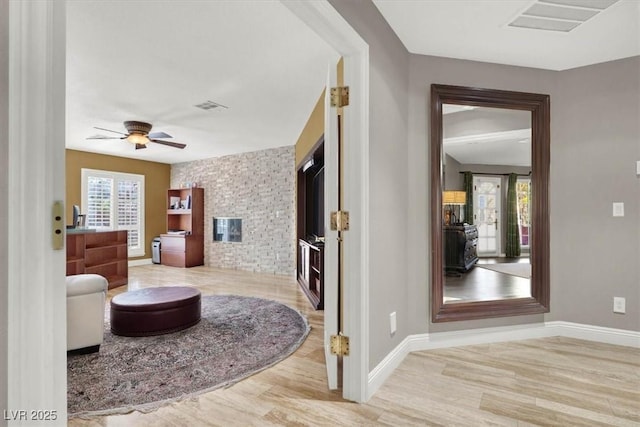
(138, 134)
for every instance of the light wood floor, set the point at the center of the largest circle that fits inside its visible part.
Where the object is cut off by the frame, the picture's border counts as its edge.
(479, 284)
(552, 381)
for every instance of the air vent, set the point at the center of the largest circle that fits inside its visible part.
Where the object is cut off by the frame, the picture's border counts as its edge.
(560, 15)
(210, 105)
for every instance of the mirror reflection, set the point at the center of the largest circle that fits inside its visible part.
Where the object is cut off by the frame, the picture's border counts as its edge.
(486, 203)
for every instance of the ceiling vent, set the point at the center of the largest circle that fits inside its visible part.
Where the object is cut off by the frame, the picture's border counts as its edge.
(210, 105)
(560, 15)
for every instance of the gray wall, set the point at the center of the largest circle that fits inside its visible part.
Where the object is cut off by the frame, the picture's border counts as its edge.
(4, 213)
(595, 146)
(389, 196)
(258, 187)
(399, 182)
(427, 70)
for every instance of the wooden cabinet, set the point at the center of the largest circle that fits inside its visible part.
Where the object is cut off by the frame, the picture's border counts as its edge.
(310, 225)
(310, 271)
(101, 252)
(460, 247)
(183, 244)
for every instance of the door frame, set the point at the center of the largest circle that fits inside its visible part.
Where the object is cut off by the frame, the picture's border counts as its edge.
(499, 203)
(321, 17)
(36, 327)
(36, 319)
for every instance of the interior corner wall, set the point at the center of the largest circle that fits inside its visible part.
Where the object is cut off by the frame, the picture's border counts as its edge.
(259, 188)
(4, 208)
(156, 181)
(595, 145)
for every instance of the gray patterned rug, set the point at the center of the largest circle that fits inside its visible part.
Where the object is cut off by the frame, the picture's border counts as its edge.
(237, 337)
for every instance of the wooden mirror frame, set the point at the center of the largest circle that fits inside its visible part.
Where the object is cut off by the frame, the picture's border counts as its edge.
(539, 106)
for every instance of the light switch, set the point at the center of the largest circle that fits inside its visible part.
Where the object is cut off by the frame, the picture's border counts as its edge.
(638, 168)
(618, 209)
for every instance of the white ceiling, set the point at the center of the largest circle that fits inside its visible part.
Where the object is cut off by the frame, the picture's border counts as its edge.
(487, 136)
(152, 60)
(155, 60)
(478, 30)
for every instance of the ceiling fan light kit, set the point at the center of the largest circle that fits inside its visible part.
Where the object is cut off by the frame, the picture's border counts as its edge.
(137, 138)
(138, 134)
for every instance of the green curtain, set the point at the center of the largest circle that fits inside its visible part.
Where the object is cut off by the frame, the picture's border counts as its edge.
(513, 232)
(468, 207)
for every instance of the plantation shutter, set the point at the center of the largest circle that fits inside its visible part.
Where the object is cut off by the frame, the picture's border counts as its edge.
(98, 206)
(115, 201)
(129, 210)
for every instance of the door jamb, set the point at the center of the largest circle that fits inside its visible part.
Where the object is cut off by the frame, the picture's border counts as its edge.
(321, 17)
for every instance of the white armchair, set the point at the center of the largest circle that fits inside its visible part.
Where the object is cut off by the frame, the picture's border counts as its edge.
(86, 296)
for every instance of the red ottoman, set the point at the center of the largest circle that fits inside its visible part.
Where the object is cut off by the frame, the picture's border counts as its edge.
(154, 311)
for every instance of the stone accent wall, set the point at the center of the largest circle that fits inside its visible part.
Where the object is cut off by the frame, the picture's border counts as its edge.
(258, 187)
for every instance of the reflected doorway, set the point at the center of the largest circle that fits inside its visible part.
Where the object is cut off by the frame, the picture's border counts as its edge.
(487, 194)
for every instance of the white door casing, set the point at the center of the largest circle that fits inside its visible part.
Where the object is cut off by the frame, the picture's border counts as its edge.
(487, 198)
(37, 374)
(321, 17)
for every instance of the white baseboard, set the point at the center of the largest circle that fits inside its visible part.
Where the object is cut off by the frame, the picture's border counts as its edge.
(420, 342)
(136, 262)
(596, 333)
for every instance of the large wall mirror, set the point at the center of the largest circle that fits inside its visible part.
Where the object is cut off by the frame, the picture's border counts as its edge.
(489, 203)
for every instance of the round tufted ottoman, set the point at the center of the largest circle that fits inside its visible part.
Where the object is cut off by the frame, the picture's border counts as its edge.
(154, 311)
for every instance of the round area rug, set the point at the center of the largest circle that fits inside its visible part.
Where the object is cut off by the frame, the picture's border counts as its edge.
(236, 337)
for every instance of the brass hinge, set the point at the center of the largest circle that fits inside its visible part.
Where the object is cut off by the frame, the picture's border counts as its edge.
(339, 345)
(339, 96)
(340, 221)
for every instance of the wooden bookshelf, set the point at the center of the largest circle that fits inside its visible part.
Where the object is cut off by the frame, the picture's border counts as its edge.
(187, 249)
(101, 252)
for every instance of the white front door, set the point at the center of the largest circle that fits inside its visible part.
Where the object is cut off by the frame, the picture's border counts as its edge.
(487, 195)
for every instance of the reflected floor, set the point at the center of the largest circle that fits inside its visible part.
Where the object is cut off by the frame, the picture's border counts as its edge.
(479, 284)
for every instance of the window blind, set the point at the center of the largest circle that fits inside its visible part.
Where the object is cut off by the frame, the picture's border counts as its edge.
(115, 201)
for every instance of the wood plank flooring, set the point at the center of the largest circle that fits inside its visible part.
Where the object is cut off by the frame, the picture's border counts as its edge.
(479, 284)
(551, 381)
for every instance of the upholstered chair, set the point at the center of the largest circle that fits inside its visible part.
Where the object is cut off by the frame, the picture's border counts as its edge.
(86, 296)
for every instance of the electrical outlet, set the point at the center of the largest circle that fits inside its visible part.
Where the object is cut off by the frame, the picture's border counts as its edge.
(638, 168)
(618, 209)
(392, 323)
(619, 305)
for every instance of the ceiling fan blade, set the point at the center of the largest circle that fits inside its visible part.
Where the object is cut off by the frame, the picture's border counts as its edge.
(153, 135)
(169, 143)
(104, 137)
(109, 130)
(140, 146)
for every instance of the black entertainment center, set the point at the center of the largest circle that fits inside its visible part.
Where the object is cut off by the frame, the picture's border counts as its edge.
(310, 226)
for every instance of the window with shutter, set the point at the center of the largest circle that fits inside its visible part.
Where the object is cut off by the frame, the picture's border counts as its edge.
(115, 201)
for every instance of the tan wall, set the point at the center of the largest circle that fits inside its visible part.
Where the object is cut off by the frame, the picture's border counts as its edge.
(314, 129)
(157, 180)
